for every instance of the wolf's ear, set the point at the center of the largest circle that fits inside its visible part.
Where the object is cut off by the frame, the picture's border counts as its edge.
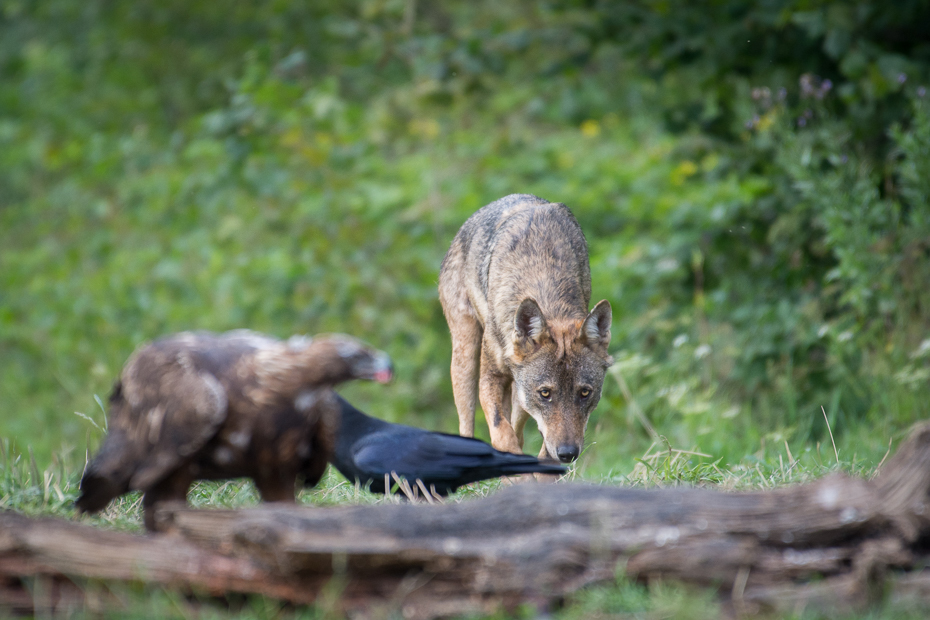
(528, 323)
(596, 328)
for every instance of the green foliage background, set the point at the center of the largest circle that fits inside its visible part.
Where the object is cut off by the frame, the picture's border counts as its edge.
(752, 177)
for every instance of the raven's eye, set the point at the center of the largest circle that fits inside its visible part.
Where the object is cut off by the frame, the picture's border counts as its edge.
(545, 393)
(584, 392)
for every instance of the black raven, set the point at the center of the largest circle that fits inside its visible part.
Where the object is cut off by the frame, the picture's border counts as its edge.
(368, 448)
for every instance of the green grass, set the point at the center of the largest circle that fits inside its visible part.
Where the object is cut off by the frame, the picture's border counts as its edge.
(27, 488)
(306, 171)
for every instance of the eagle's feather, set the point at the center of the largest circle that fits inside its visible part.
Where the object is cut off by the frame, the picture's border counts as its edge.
(206, 406)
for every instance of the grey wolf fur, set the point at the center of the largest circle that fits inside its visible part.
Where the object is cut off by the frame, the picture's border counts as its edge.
(515, 288)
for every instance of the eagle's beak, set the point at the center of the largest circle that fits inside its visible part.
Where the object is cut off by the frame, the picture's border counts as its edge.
(383, 369)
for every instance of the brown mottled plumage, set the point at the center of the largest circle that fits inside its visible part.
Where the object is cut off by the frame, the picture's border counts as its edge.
(202, 406)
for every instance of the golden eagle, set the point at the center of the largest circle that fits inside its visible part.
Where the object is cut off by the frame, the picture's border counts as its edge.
(203, 406)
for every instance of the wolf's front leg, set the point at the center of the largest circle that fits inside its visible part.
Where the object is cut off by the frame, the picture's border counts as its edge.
(544, 455)
(466, 347)
(518, 415)
(491, 392)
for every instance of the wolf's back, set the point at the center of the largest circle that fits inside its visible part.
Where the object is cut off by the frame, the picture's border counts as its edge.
(522, 246)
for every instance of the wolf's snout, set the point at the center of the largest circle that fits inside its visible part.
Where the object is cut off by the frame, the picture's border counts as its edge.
(567, 454)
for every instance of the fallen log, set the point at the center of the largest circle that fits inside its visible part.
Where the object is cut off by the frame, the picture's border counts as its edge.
(838, 543)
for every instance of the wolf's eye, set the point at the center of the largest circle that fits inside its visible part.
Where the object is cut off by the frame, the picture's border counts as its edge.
(584, 392)
(545, 393)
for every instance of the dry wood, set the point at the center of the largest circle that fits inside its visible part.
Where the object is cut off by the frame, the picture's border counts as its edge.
(837, 543)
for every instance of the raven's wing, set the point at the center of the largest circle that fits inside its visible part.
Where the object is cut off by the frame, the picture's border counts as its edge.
(439, 457)
(400, 450)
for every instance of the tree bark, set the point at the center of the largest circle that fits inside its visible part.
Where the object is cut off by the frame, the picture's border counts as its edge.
(839, 543)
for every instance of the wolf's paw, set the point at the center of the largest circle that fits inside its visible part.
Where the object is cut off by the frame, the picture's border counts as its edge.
(518, 479)
(547, 478)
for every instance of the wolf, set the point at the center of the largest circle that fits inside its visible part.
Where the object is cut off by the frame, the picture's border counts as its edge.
(515, 287)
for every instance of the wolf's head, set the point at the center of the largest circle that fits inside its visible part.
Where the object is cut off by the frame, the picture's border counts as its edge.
(558, 370)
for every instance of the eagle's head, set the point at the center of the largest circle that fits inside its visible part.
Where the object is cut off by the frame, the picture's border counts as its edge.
(334, 358)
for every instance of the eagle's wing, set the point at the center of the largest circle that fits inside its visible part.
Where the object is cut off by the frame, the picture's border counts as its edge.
(174, 409)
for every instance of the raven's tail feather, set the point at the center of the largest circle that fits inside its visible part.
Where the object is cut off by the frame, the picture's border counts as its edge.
(512, 464)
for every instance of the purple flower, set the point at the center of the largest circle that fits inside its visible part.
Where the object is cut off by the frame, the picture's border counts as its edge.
(762, 94)
(902, 78)
(921, 91)
(806, 82)
(802, 121)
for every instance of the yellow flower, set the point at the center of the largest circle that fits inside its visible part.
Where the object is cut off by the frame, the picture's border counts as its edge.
(590, 128)
(682, 171)
(767, 120)
(425, 127)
